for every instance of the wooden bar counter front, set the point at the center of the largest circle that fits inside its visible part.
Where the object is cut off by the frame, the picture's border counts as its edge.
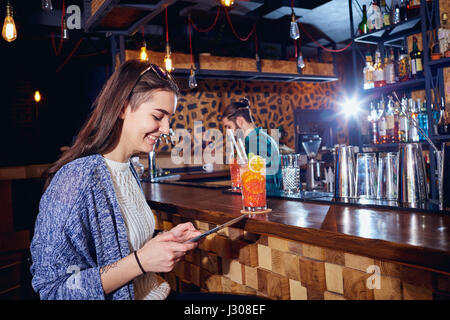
(306, 251)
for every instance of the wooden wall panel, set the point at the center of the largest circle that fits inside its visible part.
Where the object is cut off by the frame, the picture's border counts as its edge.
(277, 268)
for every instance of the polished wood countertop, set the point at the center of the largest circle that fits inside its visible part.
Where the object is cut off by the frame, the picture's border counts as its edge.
(409, 237)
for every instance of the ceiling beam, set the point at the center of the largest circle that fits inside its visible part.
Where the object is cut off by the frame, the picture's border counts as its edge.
(160, 7)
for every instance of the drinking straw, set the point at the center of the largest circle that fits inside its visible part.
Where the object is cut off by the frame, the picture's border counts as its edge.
(230, 133)
(243, 148)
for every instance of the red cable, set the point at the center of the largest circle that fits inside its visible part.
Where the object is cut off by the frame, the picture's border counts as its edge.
(63, 14)
(295, 46)
(324, 48)
(167, 29)
(256, 41)
(212, 26)
(234, 31)
(70, 55)
(190, 40)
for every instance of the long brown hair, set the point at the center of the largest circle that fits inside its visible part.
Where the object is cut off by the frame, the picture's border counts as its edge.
(101, 132)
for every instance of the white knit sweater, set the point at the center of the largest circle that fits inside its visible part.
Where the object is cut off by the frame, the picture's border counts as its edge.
(140, 224)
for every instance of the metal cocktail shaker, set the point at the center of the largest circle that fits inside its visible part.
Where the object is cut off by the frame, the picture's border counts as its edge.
(345, 178)
(412, 186)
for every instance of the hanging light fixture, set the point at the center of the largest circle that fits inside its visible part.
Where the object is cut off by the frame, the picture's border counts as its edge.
(9, 31)
(294, 31)
(65, 30)
(192, 80)
(227, 3)
(167, 59)
(300, 61)
(47, 5)
(37, 96)
(143, 55)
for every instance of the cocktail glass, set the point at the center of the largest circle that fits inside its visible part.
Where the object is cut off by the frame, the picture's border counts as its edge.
(253, 184)
(235, 175)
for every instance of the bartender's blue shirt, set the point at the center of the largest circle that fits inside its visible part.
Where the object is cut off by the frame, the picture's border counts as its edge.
(260, 143)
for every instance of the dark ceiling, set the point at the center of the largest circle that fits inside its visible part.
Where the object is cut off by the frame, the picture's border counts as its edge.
(325, 20)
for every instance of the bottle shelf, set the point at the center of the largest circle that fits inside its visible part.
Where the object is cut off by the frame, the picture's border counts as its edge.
(441, 63)
(443, 137)
(391, 35)
(398, 86)
(393, 146)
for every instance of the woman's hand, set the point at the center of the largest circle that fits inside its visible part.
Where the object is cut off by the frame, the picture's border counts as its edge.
(161, 253)
(184, 232)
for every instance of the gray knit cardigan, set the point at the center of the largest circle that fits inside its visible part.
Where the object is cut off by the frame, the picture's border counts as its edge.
(79, 229)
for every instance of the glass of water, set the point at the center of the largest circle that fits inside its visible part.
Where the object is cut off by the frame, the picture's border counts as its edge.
(290, 169)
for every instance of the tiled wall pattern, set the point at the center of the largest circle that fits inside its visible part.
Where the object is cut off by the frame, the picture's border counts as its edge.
(272, 104)
(236, 261)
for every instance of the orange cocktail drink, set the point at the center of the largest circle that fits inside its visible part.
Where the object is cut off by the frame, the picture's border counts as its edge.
(253, 184)
(235, 175)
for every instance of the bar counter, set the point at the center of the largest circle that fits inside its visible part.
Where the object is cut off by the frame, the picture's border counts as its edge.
(307, 250)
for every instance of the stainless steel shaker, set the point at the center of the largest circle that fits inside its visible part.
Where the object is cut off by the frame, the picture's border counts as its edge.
(412, 185)
(345, 177)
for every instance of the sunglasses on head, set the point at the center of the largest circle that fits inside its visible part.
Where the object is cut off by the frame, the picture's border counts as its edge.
(160, 72)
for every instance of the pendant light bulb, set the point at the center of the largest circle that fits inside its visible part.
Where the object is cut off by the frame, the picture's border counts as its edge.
(143, 55)
(294, 31)
(9, 31)
(37, 96)
(227, 3)
(65, 31)
(257, 58)
(192, 80)
(47, 5)
(300, 61)
(168, 60)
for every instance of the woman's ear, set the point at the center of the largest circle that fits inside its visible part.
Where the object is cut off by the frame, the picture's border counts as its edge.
(124, 111)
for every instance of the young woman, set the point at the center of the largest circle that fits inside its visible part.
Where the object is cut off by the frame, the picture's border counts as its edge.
(237, 115)
(93, 235)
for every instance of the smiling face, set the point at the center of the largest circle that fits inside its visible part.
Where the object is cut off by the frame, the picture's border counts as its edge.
(144, 125)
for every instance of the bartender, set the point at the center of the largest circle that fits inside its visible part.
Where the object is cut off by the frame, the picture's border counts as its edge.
(237, 115)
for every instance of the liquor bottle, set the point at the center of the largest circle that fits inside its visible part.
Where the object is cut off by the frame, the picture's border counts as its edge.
(368, 72)
(422, 117)
(378, 15)
(386, 14)
(416, 60)
(382, 137)
(443, 127)
(403, 65)
(435, 116)
(378, 74)
(403, 10)
(396, 121)
(403, 123)
(413, 132)
(391, 133)
(363, 27)
(373, 119)
(395, 14)
(389, 68)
